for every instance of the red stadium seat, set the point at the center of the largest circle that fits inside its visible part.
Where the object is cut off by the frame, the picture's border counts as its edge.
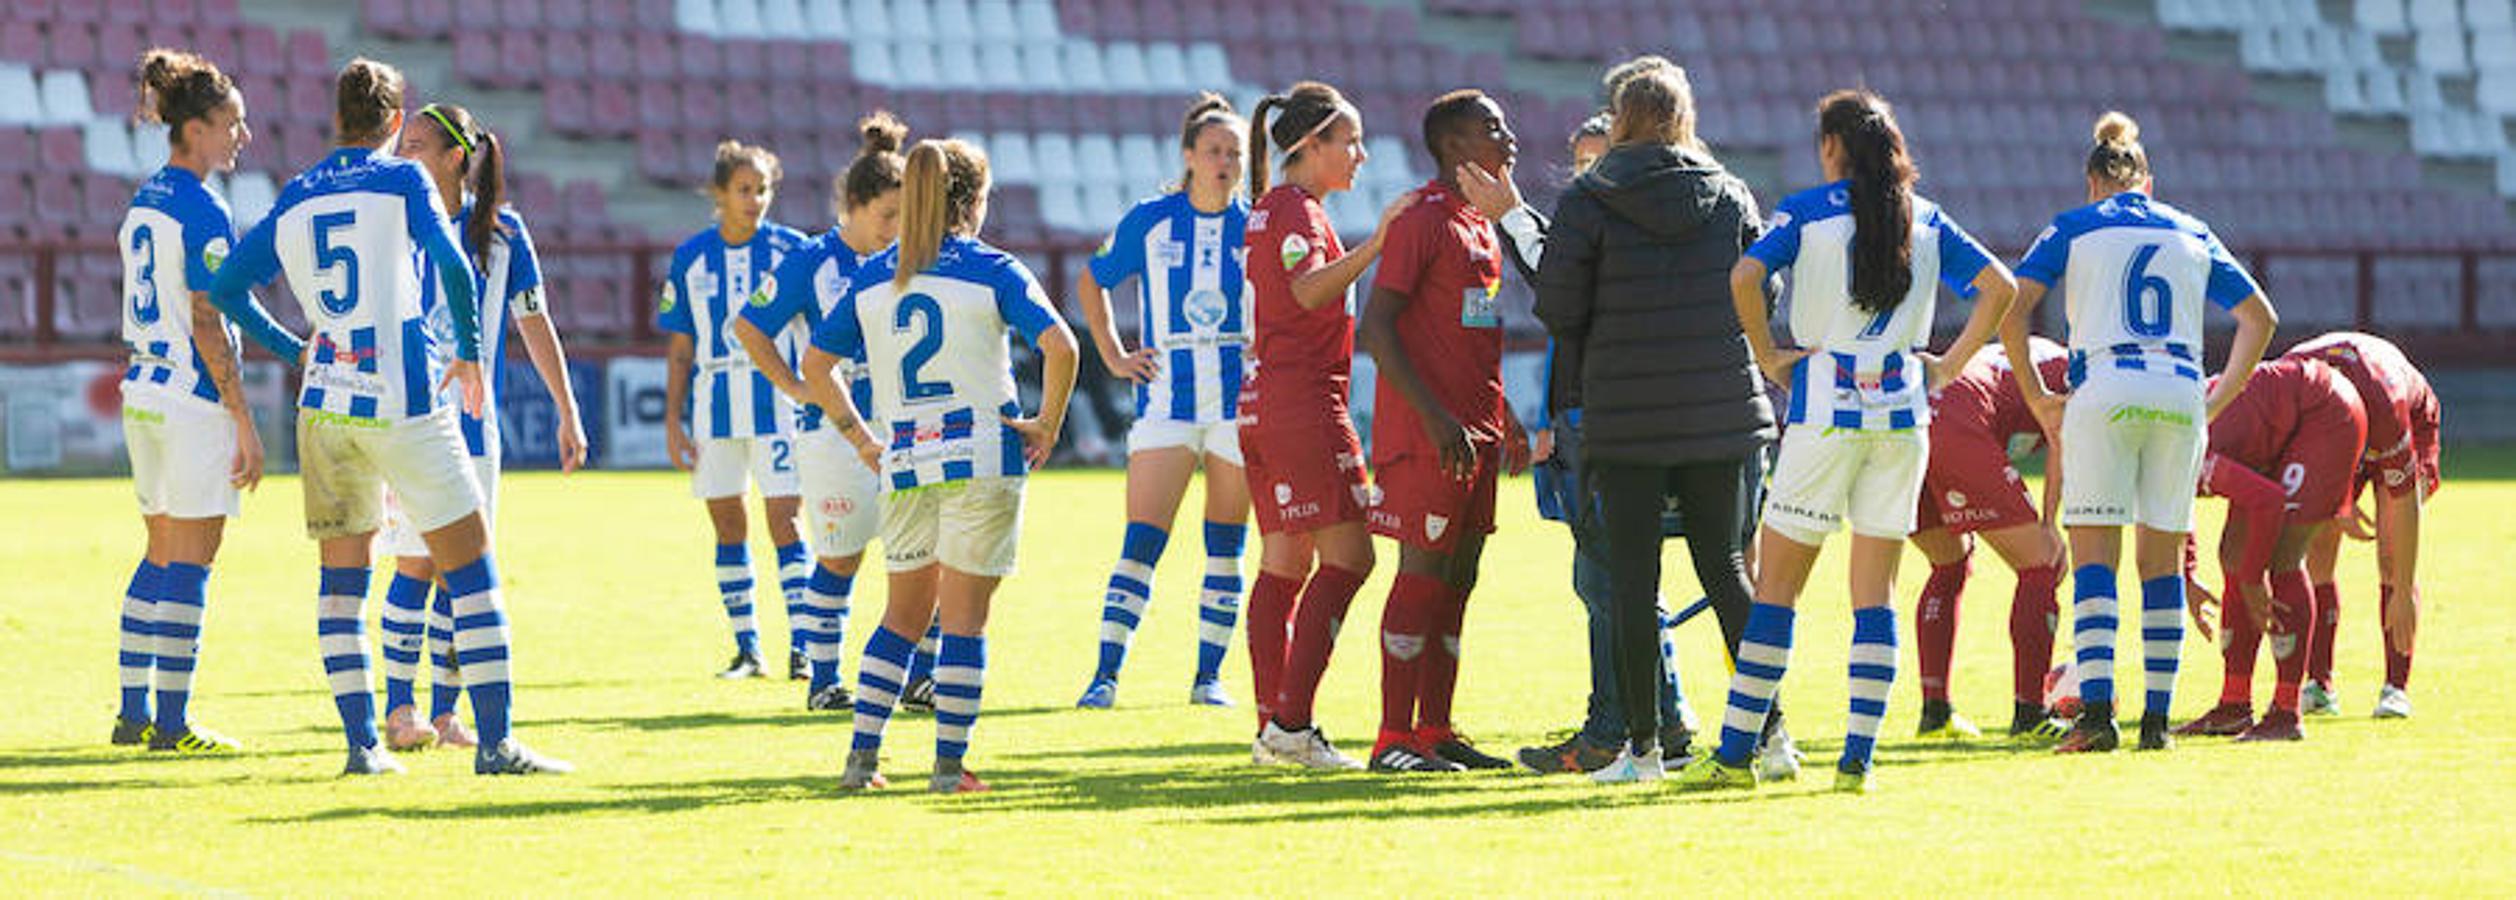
(306, 145)
(309, 101)
(388, 18)
(523, 15)
(70, 45)
(603, 54)
(520, 59)
(224, 12)
(84, 12)
(567, 107)
(701, 58)
(258, 51)
(702, 107)
(61, 149)
(615, 112)
(745, 60)
(659, 106)
(308, 57)
(118, 48)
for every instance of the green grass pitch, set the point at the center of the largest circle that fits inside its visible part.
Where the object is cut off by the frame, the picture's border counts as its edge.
(694, 786)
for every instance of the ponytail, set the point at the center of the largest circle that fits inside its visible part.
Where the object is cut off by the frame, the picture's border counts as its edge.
(2118, 158)
(1882, 196)
(940, 191)
(489, 195)
(1310, 108)
(1258, 144)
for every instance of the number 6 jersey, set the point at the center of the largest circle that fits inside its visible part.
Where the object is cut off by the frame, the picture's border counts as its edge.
(2135, 272)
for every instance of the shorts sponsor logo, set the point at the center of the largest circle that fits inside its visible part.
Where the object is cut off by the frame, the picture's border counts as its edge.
(2095, 511)
(1384, 520)
(1435, 527)
(2395, 478)
(1301, 510)
(2123, 414)
(911, 556)
(1283, 493)
(1956, 499)
(1791, 509)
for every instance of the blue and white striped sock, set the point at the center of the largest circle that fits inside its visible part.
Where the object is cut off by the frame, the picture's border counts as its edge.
(480, 646)
(1669, 683)
(1130, 589)
(341, 633)
(922, 661)
(825, 602)
(1219, 603)
(960, 672)
(733, 581)
(138, 644)
(1764, 654)
(182, 594)
(2161, 639)
(880, 676)
(405, 627)
(445, 684)
(794, 573)
(1873, 670)
(2092, 625)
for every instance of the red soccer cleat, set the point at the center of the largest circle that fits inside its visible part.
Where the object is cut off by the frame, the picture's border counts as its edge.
(2277, 725)
(2224, 720)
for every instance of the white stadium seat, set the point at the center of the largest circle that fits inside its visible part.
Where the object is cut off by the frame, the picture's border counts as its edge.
(2507, 175)
(2380, 16)
(697, 16)
(868, 21)
(1145, 166)
(916, 64)
(108, 147)
(2494, 47)
(874, 63)
(1208, 67)
(739, 18)
(148, 147)
(2343, 93)
(957, 66)
(2440, 50)
(1060, 209)
(251, 195)
(996, 24)
(1009, 157)
(1054, 155)
(1096, 161)
(2480, 14)
(21, 103)
(65, 97)
(2434, 14)
(1165, 67)
(2420, 91)
(1125, 62)
(953, 21)
(783, 20)
(1042, 67)
(1038, 20)
(826, 20)
(910, 21)
(2384, 91)
(1084, 71)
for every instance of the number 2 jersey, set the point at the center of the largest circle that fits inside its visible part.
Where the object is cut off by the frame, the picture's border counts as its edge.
(941, 369)
(1194, 303)
(173, 240)
(2135, 272)
(708, 285)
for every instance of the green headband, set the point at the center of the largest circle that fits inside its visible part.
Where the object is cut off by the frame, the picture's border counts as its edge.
(460, 139)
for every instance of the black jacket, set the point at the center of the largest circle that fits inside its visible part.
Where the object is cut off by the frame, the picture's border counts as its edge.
(1636, 275)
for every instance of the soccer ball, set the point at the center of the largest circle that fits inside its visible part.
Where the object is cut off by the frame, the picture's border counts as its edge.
(2061, 691)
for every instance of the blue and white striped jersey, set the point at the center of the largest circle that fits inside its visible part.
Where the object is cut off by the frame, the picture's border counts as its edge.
(1194, 303)
(792, 303)
(509, 286)
(2135, 272)
(173, 241)
(1862, 365)
(706, 288)
(350, 235)
(941, 369)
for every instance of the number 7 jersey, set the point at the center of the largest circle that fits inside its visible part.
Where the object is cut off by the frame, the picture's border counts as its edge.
(2135, 272)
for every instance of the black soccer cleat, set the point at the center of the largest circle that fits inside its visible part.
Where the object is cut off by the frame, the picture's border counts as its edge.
(2094, 733)
(2153, 732)
(130, 733)
(1402, 758)
(796, 668)
(1461, 752)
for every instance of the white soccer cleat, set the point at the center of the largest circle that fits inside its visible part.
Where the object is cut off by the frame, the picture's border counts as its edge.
(1308, 748)
(2316, 699)
(403, 732)
(1629, 769)
(1781, 759)
(1259, 755)
(2393, 703)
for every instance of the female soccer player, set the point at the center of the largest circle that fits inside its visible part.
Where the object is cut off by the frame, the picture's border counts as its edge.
(468, 166)
(2296, 434)
(1970, 490)
(1304, 462)
(1184, 250)
(930, 319)
(1863, 252)
(841, 494)
(184, 417)
(2131, 427)
(743, 421)
(350, 233)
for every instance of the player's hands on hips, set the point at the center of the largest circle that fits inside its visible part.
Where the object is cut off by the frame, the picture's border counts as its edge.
(1777, 366)
(2203, 607)
(571, 445)
(1140, 367)
(1936, 373)
(678, 446)
(1541, 445)
(2402, 617)
(1493, 194)
(245, 470)
(1038, 438)
(475, 389)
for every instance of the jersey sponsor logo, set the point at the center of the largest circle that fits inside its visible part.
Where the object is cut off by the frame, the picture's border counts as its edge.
(1205, 308)
(1171, 253)
(1296, 248)
(1257, 221)
(703, 282)
(214, 254)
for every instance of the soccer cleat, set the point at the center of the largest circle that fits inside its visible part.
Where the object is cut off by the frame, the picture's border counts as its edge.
(2038, 731)
(1630, 769)
(403, 733)
(1403, 758)
(2277, 725)
(951, 778)
(862, 771)
(1847, 782)
(1259, 755)
(194, 740)
(2392, 703)
(1208, 692)
(1308, 748)
(511, 757)
(2223, 720)
(371, 761)
(2315, 698)
(1575, 754)
(1941, 722)
(1461, 752)
(2153, 732)
(796, 668)
(1677, 744)
(920, 696)
(450, 732)
(128, 733)
(2095, 732)
(1102, 694)
(830, 698)
(1709, 773)
(1781, 758)
(745, 665)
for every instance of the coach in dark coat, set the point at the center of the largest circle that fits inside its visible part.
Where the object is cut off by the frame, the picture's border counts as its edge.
(1636, 276)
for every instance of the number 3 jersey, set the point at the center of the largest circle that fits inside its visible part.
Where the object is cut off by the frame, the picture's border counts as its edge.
(937, 355)
(2135, 272)
(1862, 373)
(1194, 303)
(173, 241)
(706, 290)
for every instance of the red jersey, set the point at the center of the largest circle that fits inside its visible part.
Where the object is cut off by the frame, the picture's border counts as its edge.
(1985, 398)
(2290, 401)
(1305, 357)
(1443, 255)
(2402, 412)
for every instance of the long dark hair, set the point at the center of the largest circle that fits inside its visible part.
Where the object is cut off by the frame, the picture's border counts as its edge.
(484, 173)
(1882, 195)
(1301, 112)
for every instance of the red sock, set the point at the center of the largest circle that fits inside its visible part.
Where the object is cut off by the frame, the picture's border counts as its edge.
(1405, 626)
(1441, 668)
(2032, 614)
(1270, 613)
(2293, 620)
(2319, 656)
(1935, 624)
(2397, 664)
(2240, 641)
(1315, 621)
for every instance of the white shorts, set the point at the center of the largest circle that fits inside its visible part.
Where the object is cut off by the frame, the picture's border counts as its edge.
(401, 538)
(348, 462)
(1221, 440)
(970, 525)
(182, 451)
(725, 464)
(842, 498)
(2132, 447)
(1825, 476)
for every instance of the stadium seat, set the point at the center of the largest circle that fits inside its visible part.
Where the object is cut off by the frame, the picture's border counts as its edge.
(2441, 51)
(1084, 68)
(783, 20)
(109, 147)
(250, 196)
(1096, 160)
(696, 16)
(2380, 16)
(2428, 15)
(65, 97)
(21, 101)
(912, 21)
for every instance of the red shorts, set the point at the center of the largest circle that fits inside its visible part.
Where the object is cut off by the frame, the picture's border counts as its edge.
(1419, 505)
(1970, 486)
(1304, 478)
(2320, 467)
